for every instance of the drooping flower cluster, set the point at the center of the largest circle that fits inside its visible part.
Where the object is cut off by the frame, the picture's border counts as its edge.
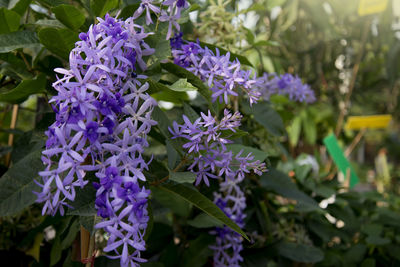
(102, 121)
(285, 84)
(227, 78)
(224, 77)
(170, 15)
(205, 143)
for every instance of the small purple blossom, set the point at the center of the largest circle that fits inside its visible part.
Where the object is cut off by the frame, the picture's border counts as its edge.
(146, 5)
(172, 19)
(286, 84)
(91, 132)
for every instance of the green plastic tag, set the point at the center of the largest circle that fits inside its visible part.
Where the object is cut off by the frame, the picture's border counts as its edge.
(340, 160)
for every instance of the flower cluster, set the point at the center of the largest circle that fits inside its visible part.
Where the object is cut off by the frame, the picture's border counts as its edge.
(226, 78)
(232, 201)
(285, 84)
(206, 140)
(170, 15)
(102, 121)
(223, 76)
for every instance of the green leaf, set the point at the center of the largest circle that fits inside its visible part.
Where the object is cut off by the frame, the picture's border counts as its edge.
(49, 23)
(171, 201)
(4, 150)
(69, 15)
(9, 21)
(34, 251)
(58, 41)
(194, 7)
(273, 3)
(70, 236)
(372, 229)
(191, 195)
(161, 91)
(173, 156)
(190, 112)
(232, 135)
(128, 11)
(24, 90)
(161, 46)
(254, 7)
(266, 116)
(281, 184)
(232, 56)
(16, 40)
(300, 252)
(101, 7)
(56, 251)
(258, 154)
(163, 123)
(15, 64)
(369, 262)
(182, 177)
(291, 13)
(266, 43)
(294, 131)
(17, 184)
(204, 221)
(170, 256)
(310, 129)
(155, 87)
(193, 79)
(249, 36)
(377, 240)
(198, 251)
(355, 253)
(83, 205)
(20, 6)
(182, 85)
(171, 96)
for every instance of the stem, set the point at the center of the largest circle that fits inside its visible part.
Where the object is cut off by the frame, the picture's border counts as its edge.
(174, 170)
(11, 136)
(261, 60)
(90, 257)
(158, 17)
(353, 79)
(353, 144)
(28, 66)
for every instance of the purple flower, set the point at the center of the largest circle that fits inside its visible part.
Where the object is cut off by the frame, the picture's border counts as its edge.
(146, 5)
(110, 177)
(75, 114)
(91, 131)
(181, 3)
(286, 84)
(109, 124)
(172, 22)
(176, 41)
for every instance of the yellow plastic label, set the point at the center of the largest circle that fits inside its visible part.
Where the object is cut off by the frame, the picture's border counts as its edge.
(367, 7)
(371, 122)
